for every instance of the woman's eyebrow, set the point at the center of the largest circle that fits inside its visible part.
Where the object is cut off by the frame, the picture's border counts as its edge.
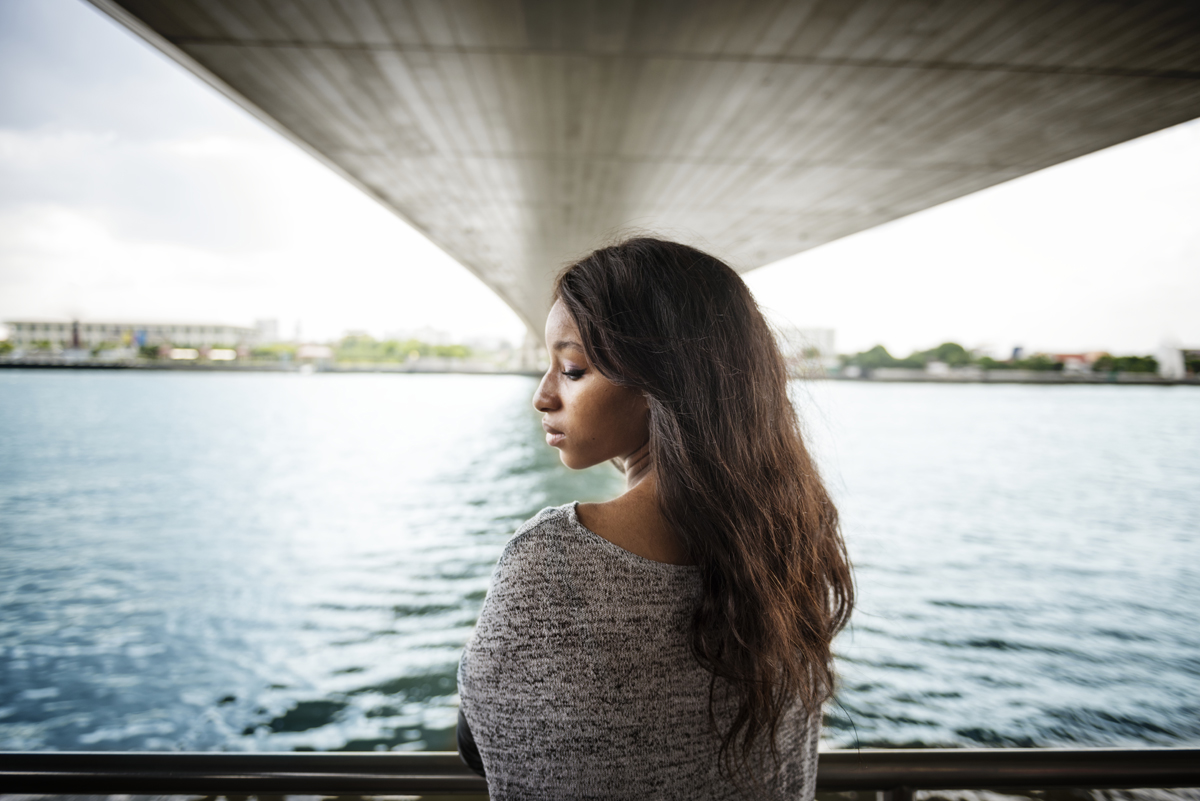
(567, 343)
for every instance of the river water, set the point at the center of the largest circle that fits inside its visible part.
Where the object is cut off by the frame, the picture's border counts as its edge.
(283, 562)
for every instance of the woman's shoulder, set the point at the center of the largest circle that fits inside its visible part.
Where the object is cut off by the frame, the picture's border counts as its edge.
(539, 532)
(526, 575)
(533, 547)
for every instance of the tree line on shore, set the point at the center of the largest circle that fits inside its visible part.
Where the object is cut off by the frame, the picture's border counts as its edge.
(953, 355)
(361, 348)
(351, 348)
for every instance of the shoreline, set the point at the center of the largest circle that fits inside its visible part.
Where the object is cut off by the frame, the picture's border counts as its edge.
(1048, 379)
(1151, 381)
(890, 376)
(260, 367)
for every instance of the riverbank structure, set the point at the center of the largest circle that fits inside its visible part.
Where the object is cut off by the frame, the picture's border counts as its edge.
(62, 335)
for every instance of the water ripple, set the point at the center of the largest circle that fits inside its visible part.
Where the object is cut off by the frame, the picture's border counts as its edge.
(261, 562)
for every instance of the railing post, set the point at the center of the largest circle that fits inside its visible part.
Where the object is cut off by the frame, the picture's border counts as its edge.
(268, 776)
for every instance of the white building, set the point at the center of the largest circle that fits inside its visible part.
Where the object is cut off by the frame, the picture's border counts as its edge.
(61, 335)
(266, 331)
(1171, 365)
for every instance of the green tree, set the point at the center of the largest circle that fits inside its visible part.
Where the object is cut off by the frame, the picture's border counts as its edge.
(1038, 361)
(1125, 364)
(951, 353)
(878, 356)
(275, 352)
(452, 351)
(988, 363)
(362, 348)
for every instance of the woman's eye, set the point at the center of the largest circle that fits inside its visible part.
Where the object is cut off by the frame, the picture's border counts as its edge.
(574, 375)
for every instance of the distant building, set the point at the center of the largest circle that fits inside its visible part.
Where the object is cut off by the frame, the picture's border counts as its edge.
(266, 332)
(64, 335)
(1076, 362)
(807, 351)
(1171, 361)
(806, 342)
(314, 353)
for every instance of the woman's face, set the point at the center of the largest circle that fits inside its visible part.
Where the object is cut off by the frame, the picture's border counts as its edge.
(587, 417)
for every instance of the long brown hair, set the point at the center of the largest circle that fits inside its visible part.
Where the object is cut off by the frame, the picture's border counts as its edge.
(734, 479)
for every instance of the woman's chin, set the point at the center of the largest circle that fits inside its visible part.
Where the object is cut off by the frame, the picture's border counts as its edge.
(573, 461)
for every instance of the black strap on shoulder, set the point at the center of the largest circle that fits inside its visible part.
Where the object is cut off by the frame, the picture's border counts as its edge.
(468, 752)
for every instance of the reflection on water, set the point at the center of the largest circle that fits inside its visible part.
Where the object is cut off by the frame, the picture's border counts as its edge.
(278, 562)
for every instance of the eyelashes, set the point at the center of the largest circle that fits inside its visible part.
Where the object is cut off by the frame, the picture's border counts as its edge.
(574, 375)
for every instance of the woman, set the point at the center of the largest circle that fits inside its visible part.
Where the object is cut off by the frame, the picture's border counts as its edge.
(673, 642)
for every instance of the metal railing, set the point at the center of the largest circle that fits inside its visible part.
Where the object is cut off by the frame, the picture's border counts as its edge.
(897, 772)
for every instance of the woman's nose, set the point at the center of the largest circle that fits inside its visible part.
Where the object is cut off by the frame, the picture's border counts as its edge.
(545, 399)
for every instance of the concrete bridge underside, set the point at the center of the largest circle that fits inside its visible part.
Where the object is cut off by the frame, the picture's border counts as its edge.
(517, 134)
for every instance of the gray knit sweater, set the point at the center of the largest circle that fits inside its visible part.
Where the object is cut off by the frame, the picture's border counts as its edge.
(579, 683)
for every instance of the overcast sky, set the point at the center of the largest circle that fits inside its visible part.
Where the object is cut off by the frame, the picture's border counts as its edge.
(129, 189)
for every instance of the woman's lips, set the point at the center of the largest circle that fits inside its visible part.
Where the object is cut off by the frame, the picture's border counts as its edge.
(554, 437)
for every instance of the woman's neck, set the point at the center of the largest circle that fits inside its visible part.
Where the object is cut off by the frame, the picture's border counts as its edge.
(637, 467)
(633, 519)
